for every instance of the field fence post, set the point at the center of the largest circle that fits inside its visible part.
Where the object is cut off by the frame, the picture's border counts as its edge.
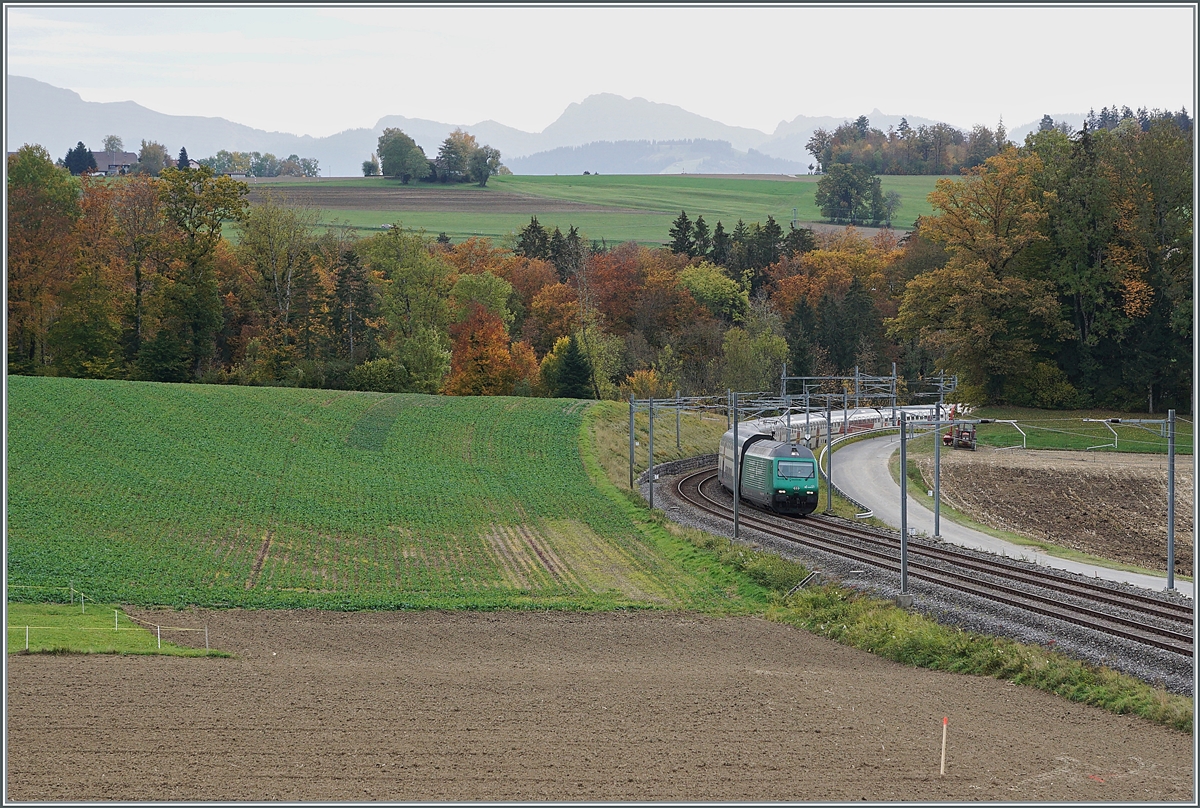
(159, 637)
(115, 616)
(631, 408)
(26, 638)
(205, 638)
(1170, 499)
(650, 405)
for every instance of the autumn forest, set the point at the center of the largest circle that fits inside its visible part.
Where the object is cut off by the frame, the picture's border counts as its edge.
(1057, 273)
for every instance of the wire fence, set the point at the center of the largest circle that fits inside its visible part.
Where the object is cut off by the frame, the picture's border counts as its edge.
(137, 625)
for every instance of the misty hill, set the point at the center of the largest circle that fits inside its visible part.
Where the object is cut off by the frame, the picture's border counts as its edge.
(56, 118)
(698, 156)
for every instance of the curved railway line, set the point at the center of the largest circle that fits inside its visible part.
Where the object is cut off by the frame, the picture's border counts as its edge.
(1140, 618)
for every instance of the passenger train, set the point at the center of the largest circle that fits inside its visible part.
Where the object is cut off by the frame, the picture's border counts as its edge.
(776, 475)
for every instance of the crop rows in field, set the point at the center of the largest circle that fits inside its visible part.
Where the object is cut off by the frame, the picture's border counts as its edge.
(615, 208)
(153, 493)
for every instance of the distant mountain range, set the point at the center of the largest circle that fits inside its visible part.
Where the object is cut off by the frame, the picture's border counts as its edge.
(604, 132)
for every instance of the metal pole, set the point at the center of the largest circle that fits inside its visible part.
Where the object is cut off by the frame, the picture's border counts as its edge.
(737, 467)
(937, 472)
(631, 399)
(845, 417)
(893, 392)
(829, 461)
(159, 636)
(783, 382)
(677, 405)
(807, 429)
(651, 470)
(903, 506)
(1170, 499)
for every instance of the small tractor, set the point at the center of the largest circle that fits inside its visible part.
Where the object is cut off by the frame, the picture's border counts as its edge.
(960, 436)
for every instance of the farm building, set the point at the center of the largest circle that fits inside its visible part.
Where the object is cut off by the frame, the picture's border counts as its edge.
(110, 162)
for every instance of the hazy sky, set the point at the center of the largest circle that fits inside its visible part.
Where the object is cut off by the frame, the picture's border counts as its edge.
(313, 70)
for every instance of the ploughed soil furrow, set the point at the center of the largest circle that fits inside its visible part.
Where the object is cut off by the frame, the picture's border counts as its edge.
(462, 199)
(519, 706)
(1105, 504)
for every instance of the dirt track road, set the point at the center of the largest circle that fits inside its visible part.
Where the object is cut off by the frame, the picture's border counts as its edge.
(534, 706)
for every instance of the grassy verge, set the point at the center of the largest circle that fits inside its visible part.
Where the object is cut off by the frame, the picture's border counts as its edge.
(56, 628)
(848, 617)
(912, 639)
(746, 577)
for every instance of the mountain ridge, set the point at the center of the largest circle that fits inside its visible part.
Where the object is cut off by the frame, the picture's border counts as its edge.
(57, 118)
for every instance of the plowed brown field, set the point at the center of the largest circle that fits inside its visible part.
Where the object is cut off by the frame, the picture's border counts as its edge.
(535, 706)
(457, 199)
(1106, 504)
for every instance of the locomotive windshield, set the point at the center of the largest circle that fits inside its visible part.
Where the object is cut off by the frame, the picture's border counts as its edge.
(796, 469)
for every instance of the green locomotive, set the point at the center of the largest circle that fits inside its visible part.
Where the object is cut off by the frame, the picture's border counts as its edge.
(776, 475)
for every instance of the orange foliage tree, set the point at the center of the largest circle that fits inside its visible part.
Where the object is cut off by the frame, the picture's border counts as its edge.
(482, 361)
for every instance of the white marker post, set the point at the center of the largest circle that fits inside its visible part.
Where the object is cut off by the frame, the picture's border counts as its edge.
(945, 720)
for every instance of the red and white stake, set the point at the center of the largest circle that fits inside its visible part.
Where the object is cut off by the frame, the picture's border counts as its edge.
(944, 722)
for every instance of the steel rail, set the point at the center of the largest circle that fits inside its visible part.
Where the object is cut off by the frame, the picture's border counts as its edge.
(1046, 605)
(1142, 604)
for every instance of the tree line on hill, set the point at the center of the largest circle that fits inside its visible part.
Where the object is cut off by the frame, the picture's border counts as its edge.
(1054, 274)
(153, 157)
(942, 148)
(459, 159)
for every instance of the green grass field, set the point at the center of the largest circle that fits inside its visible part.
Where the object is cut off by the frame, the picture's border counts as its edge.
(159, 494)
(661, 196)
(724, 198)
(1068, 429)
(98, 628)
(613, 228)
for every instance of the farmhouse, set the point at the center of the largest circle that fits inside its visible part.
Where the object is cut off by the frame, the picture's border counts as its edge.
(114, 162)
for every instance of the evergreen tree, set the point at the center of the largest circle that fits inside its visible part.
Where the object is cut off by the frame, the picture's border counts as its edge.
(719, 254)
(353, 305)
(799, 240)
(798, 331)
(863, 326)
(703, 237)
(183, 162)
(768, 241)
(830, 332)
(533, 241)
(571, 255)
(556, 250)
(79, 160)
(574, 374)
(739, 249)
(682, 240)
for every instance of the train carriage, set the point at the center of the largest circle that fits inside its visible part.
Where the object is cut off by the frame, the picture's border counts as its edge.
(776, 475)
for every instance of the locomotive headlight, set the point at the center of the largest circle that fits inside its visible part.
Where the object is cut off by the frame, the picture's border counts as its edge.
(781, 491)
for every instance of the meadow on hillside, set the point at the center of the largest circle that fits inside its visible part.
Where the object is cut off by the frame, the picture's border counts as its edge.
(151, 493)
(640, 208)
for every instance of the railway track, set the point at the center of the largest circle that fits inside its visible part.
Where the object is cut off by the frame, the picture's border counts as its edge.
(1139, 618)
